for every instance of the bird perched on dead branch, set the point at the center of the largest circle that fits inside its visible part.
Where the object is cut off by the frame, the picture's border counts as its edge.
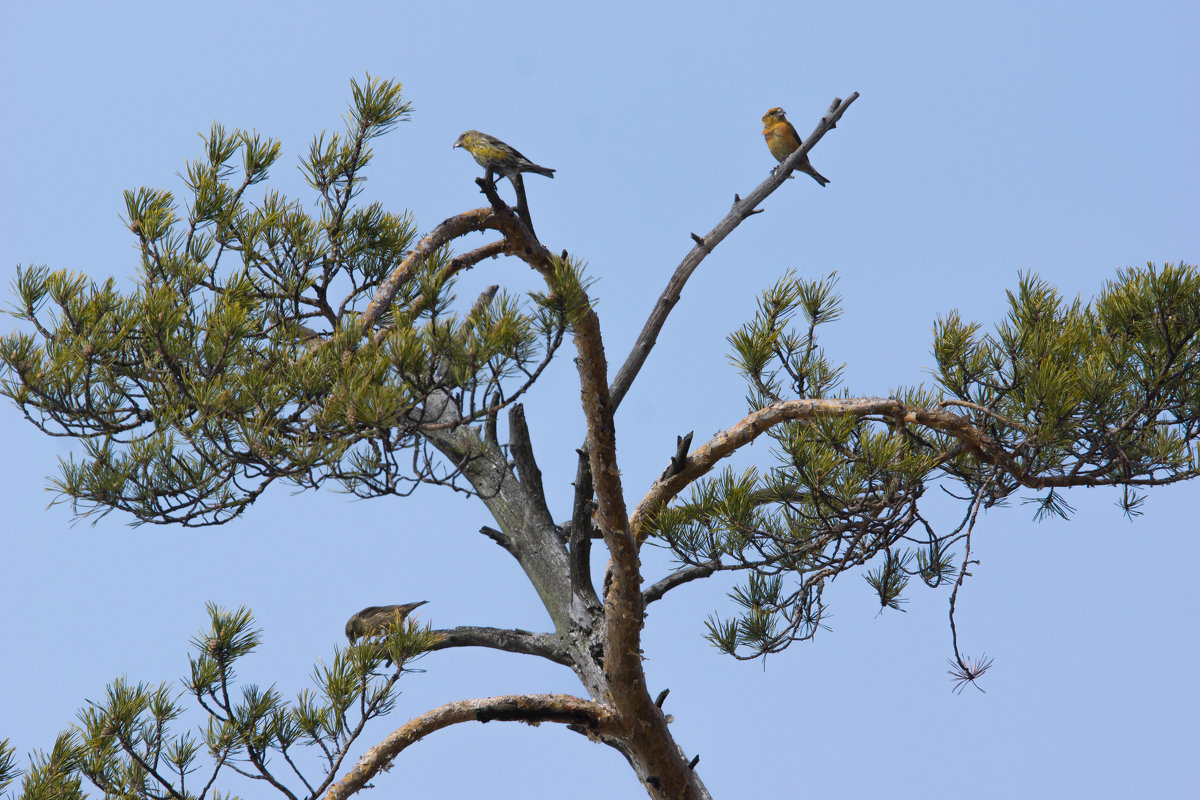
(496, 156)
(782, 141)
(375, 620)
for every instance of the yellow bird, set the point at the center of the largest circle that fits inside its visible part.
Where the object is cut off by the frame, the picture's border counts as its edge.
(496, 156)
(782, 141)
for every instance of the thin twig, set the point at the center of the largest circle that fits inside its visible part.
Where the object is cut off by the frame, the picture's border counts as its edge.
(742, 208)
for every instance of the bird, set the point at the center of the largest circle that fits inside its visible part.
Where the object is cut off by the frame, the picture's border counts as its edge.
(782, 141)
(496, 156)
(375, 620)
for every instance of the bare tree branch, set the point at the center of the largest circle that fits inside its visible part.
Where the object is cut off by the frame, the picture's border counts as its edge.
(644, 726)
(593, 718)
(457, 265)
(473, 257)
(499, 538)
(682, 444)
(545, 645)
(678, 578)
(643, 734)
(602, 442)
(581, 531)
(705, 244)
(522, 204)
(705, 457)
(522, 454)
(622, 600)
(984, 410)
(452, 228)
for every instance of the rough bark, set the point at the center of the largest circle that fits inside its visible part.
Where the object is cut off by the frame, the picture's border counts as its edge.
(602, 644)
(582, 715)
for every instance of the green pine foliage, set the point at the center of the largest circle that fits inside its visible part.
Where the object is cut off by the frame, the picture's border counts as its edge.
(1106, 393)
(238, 358)
(136, 743)
(252, 348)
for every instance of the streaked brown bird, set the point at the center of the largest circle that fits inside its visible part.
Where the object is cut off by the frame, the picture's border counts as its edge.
(782, 141)
(375, 620)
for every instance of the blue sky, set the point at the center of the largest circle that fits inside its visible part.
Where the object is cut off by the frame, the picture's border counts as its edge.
(1055, 138)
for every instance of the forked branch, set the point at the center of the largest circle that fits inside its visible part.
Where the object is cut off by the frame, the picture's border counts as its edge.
(450, 229)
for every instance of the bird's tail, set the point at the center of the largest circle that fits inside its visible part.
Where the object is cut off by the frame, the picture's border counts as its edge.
(816, 176)
(549, 173)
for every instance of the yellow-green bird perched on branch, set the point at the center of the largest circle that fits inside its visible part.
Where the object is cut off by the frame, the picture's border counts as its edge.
(495, 156)
(782, 141)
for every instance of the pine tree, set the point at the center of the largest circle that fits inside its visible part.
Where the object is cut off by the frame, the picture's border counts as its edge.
(263, 343)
